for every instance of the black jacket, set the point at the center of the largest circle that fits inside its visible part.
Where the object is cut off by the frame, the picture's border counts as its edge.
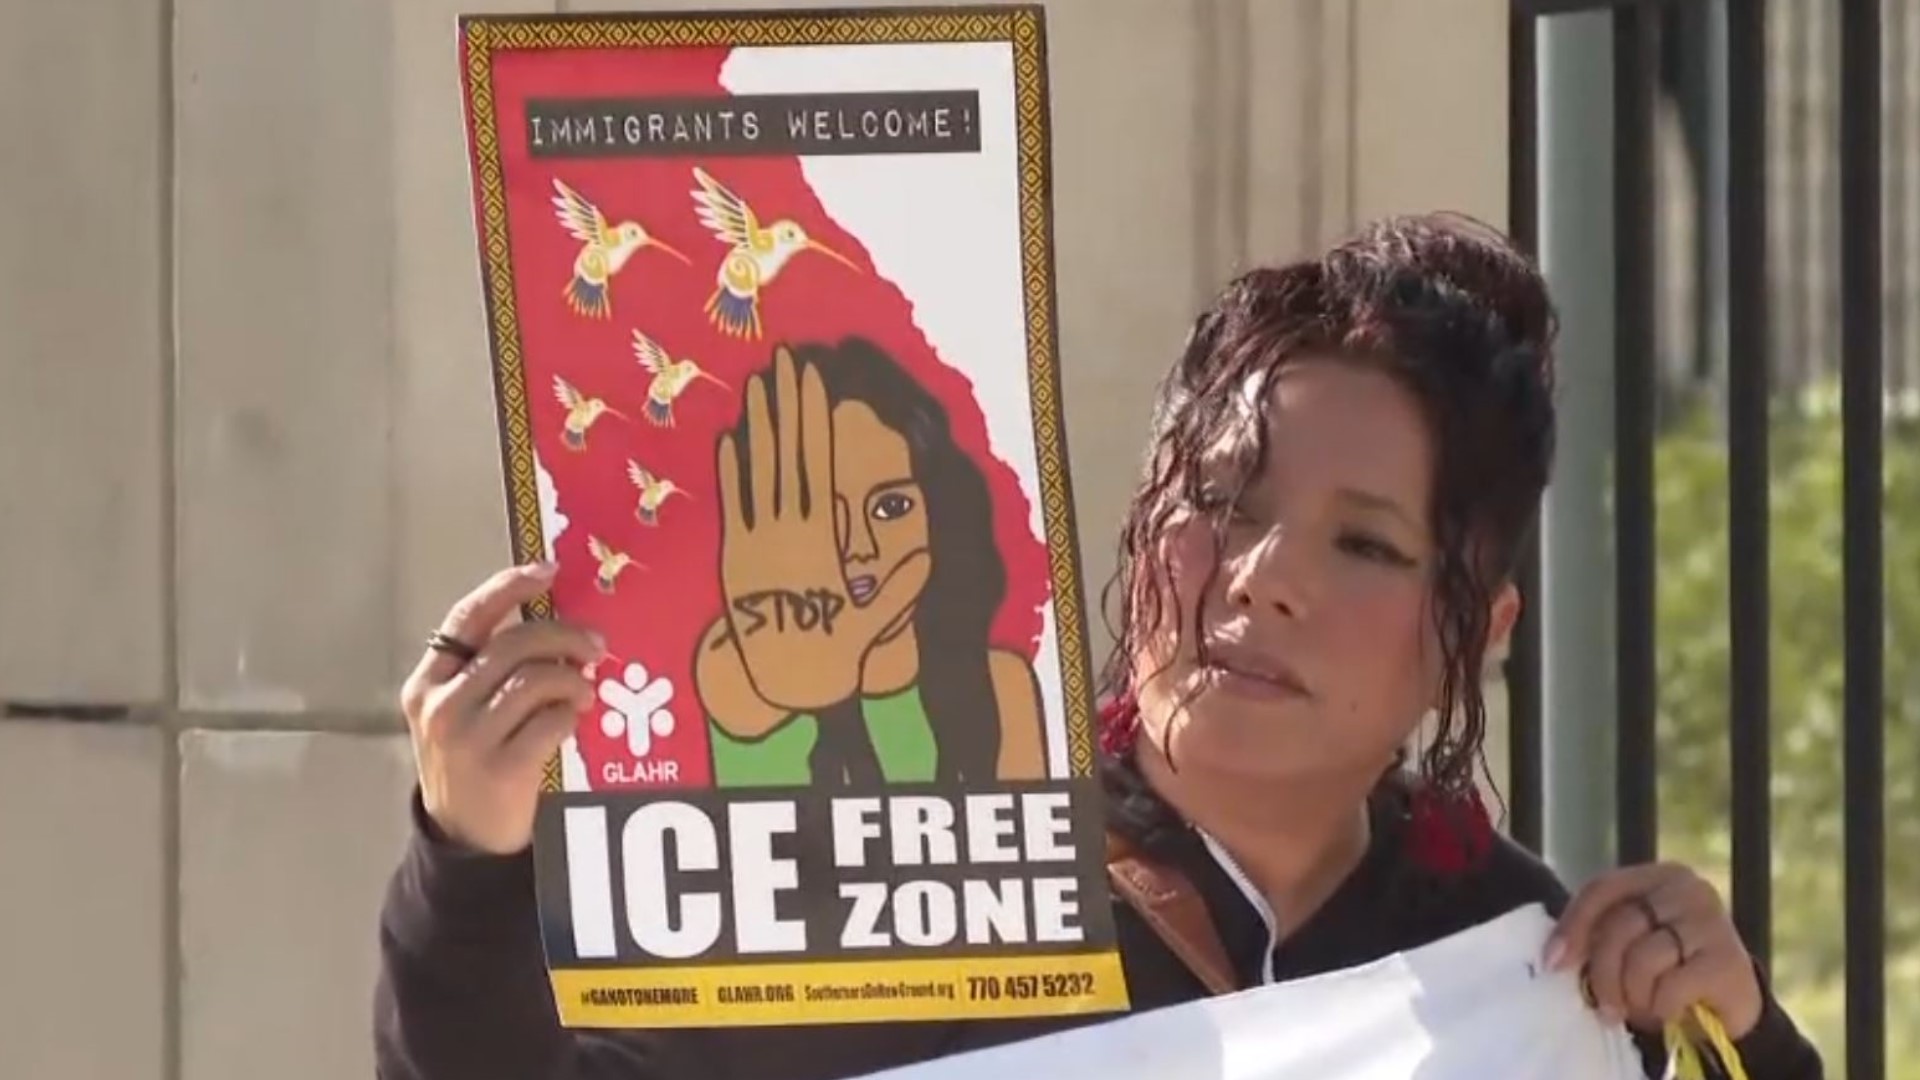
(463, 992)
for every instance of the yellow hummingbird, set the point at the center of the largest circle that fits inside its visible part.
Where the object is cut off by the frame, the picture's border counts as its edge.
(605, 250)
(670, 377)
(582, 411)
(611, 563)
(757, 256)
(653, 491)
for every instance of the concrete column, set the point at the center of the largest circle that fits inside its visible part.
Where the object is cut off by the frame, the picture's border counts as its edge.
(1576, 247)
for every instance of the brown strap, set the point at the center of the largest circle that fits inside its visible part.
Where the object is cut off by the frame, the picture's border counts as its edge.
(1173, 908)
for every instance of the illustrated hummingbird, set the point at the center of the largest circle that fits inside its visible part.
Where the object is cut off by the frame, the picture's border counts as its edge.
(670, 378)
(611, 563)
(604, 251)
(654, 490)
(756, 256)
(582, 411)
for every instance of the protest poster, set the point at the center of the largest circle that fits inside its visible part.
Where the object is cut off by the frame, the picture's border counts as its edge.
(771, 307)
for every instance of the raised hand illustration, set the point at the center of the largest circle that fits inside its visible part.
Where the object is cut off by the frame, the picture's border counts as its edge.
(802, 629)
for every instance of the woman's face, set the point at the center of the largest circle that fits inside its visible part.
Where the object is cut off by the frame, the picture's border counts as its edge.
(1319, 653)
(880, 513)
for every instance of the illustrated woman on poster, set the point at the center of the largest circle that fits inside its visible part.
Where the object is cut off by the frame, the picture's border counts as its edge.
(860, 580)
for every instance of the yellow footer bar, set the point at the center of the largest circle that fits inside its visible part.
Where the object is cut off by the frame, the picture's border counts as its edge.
(840, 992)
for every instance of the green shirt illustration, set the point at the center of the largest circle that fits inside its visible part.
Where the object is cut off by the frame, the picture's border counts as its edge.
(896, 724)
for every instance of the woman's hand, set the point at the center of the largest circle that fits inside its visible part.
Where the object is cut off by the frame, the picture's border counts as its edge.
(1655, 940)
(801, 637)
(483, 728)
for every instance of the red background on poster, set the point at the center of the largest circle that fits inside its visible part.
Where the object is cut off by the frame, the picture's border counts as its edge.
(658, 611)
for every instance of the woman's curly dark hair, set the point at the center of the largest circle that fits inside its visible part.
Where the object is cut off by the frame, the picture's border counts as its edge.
(1461, 318)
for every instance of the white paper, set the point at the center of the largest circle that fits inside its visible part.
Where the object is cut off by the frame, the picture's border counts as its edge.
(1474, 1006)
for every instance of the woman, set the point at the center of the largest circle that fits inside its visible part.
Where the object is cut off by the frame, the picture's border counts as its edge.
(1315, 565)
(899, 562)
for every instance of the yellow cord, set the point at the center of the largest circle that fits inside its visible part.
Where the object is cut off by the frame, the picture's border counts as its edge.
(1685, 1053)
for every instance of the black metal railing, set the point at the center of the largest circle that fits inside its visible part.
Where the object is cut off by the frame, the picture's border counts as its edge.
(1636, 45)
(1861, 363)
(1526, 750)
(1636, 76)
(1749, 730)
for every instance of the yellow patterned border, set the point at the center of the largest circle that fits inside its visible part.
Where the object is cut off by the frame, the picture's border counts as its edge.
(1023, 27)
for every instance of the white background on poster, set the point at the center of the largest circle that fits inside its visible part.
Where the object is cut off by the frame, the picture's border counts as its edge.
(945, 229)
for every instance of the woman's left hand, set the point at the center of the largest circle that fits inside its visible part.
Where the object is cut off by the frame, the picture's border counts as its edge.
(1654, 941)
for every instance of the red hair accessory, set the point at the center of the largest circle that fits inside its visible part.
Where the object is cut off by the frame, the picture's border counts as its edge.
(1451, 831)
(1119, 724)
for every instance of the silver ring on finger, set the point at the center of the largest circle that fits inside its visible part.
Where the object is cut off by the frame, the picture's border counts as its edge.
(442, 642)
(1654, 922)
(1679, 943)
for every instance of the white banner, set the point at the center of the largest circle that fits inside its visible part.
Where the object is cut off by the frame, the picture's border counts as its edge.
(1475, 1006)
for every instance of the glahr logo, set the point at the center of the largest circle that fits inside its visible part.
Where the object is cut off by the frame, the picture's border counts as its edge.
(636, 708)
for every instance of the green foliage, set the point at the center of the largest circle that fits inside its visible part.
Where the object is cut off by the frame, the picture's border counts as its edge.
(1807, 688)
